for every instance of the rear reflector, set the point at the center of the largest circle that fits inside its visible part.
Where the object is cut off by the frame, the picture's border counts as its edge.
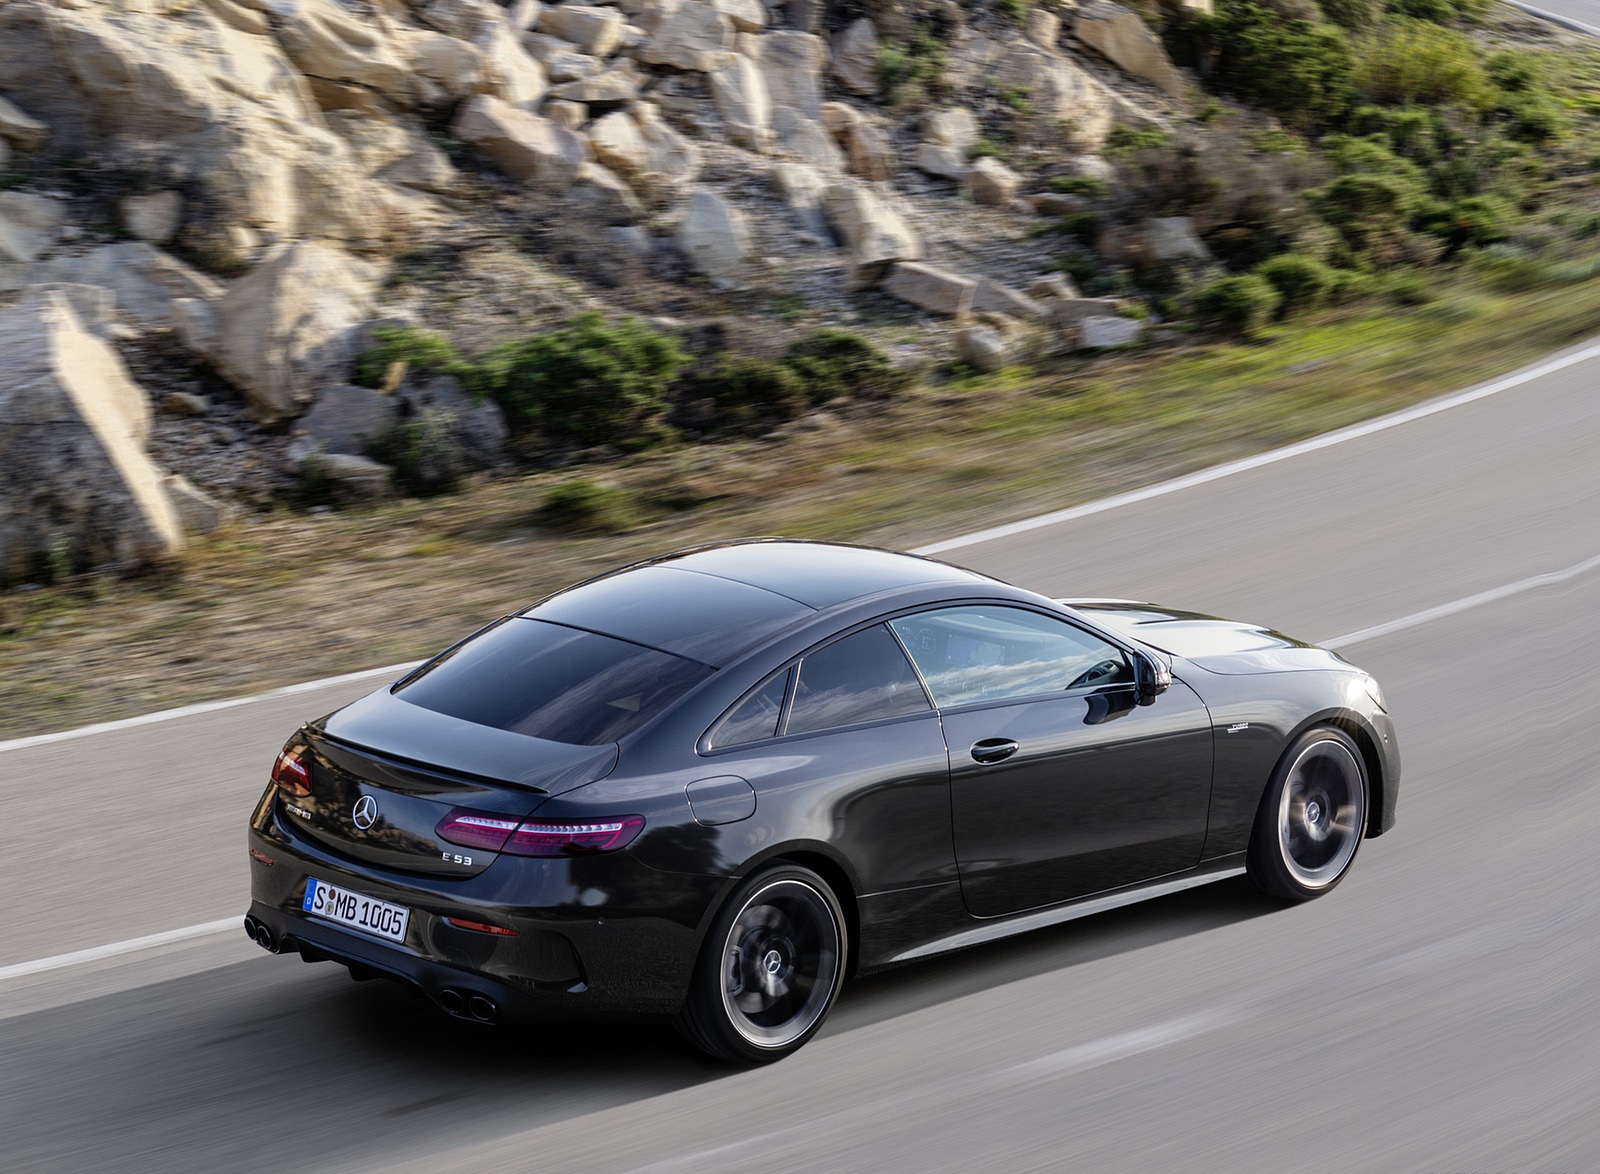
(481, 927)
(290, 771)
(496, 833)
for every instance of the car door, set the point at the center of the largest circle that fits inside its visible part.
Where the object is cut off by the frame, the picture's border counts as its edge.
(1061, 784)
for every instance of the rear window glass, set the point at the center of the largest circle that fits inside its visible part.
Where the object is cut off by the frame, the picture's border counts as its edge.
(554, 682)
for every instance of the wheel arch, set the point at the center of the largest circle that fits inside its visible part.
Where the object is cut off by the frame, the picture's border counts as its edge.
(1347, 722)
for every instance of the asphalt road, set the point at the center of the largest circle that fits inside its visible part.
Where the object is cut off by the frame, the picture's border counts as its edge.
(1438, 1012)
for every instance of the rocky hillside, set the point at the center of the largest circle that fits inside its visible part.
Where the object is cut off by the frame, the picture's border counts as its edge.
(209, 209)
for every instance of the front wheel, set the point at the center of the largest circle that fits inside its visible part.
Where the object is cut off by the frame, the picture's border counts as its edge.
(1311, 818)
(769, 969)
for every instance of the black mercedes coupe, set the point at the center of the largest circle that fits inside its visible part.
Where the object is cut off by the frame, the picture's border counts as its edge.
(710, 787)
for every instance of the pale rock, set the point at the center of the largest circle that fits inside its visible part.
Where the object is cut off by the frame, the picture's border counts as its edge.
(74, 477)
(197, 511)
(870, 152)
(94, 305)
(523, 145)
(873, 232)
(991, 297)
(1060, 90)
(941, 159)
(509, 73)
(154, 217)
(565, 63)
(289, 324)
(855, 58)
(616, 143)
(523, 15)
(350, 475)
(27, 133)
(1184, 9)
(1100, 331)
(1121, 37)
(594, 30)
(982, 346)
(325, 41)
(955, 127)
(599, 195)
(459, 18)
(185, 403)
(792, 63)
(804, 139)
(28, 225)
(1044, 28)
(1069, 312)
(715, 237)
(1173, 239)
(144, 281)
(991, 182)
(674, 158)
(930, 288)
(455, 66)
(397, 150)
(620, 83)
(1058, 203)
(740, 93)
(802, 189)
(569, 115)
(238, 15)
(1052, 288)
(330, 95)
(839, 118)
(1094, 167)
(695, 38)
(748, 16)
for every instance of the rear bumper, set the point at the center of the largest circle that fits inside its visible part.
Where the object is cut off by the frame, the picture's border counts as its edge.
(602, 937)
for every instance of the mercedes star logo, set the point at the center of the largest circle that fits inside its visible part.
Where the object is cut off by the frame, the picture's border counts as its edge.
(366, 812)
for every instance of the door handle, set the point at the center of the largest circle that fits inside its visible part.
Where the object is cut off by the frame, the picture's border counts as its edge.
(993, 750)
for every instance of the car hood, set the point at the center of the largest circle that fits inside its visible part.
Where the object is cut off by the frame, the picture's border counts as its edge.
(1216, 645)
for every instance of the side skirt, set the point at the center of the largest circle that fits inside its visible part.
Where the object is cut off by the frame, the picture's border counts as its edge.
(989, 931)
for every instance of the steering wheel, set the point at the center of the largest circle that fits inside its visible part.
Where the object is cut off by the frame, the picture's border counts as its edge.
(1097, 674)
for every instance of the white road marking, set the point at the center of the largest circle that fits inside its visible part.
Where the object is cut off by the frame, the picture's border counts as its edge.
(166, 715)
(1494, 594)
(1393, 420)
(131, 946)
(1244, 465)
(1556, 18)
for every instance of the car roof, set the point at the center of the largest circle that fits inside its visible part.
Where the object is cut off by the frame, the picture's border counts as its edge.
(713, 604)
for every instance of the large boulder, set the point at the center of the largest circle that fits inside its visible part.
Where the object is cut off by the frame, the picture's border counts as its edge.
(992, 182)
(696, 37)
(792, 64)
(1059, 90)
(595, 31)
(151, 288)
(855, 58)
(1122, 38)
(27, 228)
(929, 288)
(715, 237)
(740, 92)
(872, 230)
(290, 326)
(76, 488)
(523, 145)
(804, 139)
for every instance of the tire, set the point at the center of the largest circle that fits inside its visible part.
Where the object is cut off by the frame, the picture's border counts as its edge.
(769, 969)
(1311, 818)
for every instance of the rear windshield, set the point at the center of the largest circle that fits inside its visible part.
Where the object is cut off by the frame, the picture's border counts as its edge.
(553, 682)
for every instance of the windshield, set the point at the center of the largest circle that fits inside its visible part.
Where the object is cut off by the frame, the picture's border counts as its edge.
(554, 682)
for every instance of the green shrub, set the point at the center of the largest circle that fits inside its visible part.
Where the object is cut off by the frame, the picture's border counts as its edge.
(1371, 212)
(1532, 117)
(586, 506)
(1079, 185)
(748, 392)
(1300, 70)
(833, 363)
(424, 454)
(1476, 220)
(591, 381)
(1236, 305)
(1442, 11)
(1125, 140)
(423, 352)
(911, 70)
(1413, 62)
(1017, 10)
(1302, 282)
(1355, 16)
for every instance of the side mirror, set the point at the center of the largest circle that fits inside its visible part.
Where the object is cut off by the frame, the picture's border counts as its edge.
(1152, 674)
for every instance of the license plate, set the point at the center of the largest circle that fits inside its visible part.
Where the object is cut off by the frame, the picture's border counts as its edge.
(367, 914)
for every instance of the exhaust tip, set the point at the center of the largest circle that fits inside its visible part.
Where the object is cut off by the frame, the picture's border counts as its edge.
(482, 1009)
(250, 927)
(261, 933)
(452, 1001)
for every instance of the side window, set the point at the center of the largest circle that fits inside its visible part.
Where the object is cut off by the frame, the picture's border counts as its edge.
(862, 678)
(756, 717)
(992, 653)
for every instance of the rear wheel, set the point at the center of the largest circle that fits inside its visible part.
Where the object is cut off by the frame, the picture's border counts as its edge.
(769, 969)
(1311, 818)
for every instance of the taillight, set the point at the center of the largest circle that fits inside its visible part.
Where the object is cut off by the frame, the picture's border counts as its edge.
(482, 829)
(482, 927)
(290, 771)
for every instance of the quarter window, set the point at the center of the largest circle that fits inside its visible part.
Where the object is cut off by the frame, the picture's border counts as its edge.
(864, 677)
(993, 653)
(756, 717)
